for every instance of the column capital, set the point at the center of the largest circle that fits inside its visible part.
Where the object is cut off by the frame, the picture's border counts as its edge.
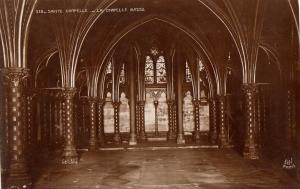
(100, 102)
(116, 104)
(92, 99)
(250, 88)
(170, 102)
(196, 102)
(13, 76)
(141, 103)
(68, 92)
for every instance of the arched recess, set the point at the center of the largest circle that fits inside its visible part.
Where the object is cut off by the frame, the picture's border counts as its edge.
(45, 65)
(98, 75)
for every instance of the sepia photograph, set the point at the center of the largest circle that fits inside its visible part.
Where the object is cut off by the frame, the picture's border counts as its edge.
(149, 94)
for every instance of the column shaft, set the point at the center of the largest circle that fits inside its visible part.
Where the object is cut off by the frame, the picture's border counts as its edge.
(117, 135)
(223, 139)
(213, 132)
(251, 146)
(17, 176)
(196, 104)
(93, 129)
(101, 136)
(69, 152)
(143, 135)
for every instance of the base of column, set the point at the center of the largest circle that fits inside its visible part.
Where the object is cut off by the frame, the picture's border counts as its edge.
(92, 146)
(197, 137)
(223, 143)
(132, 140)
(143, 137)
(101, 141)
(171, 136)
(214, 139)
(18, 177)
(117, 138)
(69, 156)
(18, 182)
(180, 139)
(251, 153)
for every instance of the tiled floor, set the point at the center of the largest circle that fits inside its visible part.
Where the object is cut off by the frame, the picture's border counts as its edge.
(167, 169)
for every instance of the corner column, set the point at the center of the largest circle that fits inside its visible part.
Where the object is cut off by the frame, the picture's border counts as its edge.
(17, 175)
(69, 155)
(251, 147)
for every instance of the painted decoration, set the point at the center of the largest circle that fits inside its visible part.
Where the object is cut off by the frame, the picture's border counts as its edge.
(124, 114)
(188, 113)
(108, 112)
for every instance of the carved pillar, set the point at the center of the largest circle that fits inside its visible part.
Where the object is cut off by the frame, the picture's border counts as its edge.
(175, 119)
(117, 135)
(180, 132)
(251, 146)
(291, 118)
(56, 119)
(69, 155)
(171, 133)
(101, 137)
(196, 104)
(213, 131)
(156, 119)
(30, 129)
(93, 129)
(143, 135)
(137, 119)
(17, 175)
(223, 140)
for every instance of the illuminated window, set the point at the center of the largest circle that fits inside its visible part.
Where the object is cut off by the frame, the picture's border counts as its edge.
(122, 75)
(149, 71)
(161, 70)
(188, 75)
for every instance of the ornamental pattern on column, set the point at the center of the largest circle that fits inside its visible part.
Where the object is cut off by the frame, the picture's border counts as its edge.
(213, 132)
(143, 135)
(101, 136)
(69, 155)
(251, 146)
(291, 119)
(117, 135)
(17, 176)
(93, 129)
(137, 118)
(196, 104)
(171, 133)
(29, 121)
(223, 139)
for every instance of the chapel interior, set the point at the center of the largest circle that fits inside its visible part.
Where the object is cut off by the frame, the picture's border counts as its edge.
(163, 93)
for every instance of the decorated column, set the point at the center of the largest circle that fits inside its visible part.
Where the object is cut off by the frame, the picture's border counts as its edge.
(223, 139)
(180, 132)
(132, 104)
(171, 133)
(291, 118)
(251, 146)
(213, 132)
(143, 135)
(93, 128)
(197, 120)
(69, 155)
(117, 135)
(101, 139)
(17, 174)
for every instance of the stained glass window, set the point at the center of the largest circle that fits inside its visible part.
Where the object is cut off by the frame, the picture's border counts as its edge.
(122, 75)
(161, 70)
(149, 70)
(188, 75)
